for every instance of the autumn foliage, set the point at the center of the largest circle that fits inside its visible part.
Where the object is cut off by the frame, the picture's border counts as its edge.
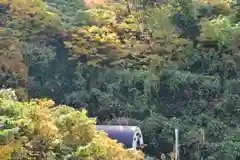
(39, 129)
(159, 64)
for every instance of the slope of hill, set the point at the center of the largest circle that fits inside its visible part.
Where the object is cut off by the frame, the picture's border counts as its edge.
(153, 64)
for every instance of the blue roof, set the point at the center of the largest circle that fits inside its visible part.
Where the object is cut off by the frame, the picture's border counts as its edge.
(123, 134)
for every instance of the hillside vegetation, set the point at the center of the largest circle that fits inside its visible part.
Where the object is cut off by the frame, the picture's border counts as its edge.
(39, 129)
(160, 65)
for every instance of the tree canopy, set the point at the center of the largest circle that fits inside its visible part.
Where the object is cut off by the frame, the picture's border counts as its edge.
(156, 64)
(39, 129)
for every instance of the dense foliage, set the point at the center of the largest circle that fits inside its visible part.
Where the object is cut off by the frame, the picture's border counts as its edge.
(156, 64)
(41, 130)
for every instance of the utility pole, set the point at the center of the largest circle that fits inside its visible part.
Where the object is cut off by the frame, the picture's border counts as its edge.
(202, 143)
(176, 144)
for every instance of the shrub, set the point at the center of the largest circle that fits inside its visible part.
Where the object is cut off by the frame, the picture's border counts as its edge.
(39, 129)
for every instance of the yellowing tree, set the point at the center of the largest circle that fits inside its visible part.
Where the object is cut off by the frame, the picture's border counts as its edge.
(116, 34)
(11, 57)
(31, 17)
(39, 129)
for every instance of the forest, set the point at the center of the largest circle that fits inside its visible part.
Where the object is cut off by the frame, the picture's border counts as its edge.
(67, 65)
